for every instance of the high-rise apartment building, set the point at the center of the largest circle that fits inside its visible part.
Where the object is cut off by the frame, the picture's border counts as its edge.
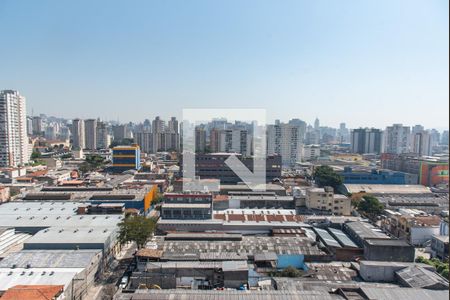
(90, 133)
(365, 140)
(421, 143)
(317, 124)
(343, 133)
(200, 139)
(231, 141)
(103, 137)
(165, 138)
(286, 140)
(444, 137)
(119, 132)
(144, 139)
(78, 141)
(397, 139)
(29, 125)
(37, 125)
(13, 129)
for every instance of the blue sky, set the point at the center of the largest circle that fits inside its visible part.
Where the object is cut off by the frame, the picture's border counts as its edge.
(367, 63)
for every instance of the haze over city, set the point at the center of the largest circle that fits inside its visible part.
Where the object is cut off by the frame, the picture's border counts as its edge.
(357, 62)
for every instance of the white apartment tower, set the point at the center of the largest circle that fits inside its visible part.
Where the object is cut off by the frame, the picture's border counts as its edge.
(285, 140)
(397, 139)
(13, 129)
(103, 137)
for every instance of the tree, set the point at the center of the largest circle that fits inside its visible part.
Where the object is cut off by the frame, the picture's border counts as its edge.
(35, 155)
(122, 142)
(326, 176)
(370, 205)
(290, 271)
(92, 163)
(136, 229)
(441, 267)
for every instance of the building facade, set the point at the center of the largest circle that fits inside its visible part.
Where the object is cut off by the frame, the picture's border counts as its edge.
(286, 140)
(397, 139)
(126, 158)
(365, 140)
(13, 129)
(90, 133)
(78, 141)
(325, 199)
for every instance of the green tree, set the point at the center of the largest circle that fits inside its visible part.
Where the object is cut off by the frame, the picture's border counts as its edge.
(136, 229)
(441, 267)
(290, 271)
(370, 206)
(326, 176)
(35, 155)
(122, 142)
(92, 163)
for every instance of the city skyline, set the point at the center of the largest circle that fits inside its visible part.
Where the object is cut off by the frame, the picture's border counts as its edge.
(268, 122)
(336, 61)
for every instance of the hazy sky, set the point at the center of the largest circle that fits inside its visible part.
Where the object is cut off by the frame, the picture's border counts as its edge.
(368, 63)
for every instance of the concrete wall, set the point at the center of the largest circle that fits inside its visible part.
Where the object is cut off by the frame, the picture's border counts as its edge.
(384, 271)
(419, 235)
(389, 253)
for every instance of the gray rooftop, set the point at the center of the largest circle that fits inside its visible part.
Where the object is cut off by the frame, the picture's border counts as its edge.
(342, 238)
(31, 223)
(186, 205)
(36, 276)
(387, 242)
(404, 293)
(231, 265)
(365, 230)
(248, 246)
(72, 238)
(395, 189)
(49, 259)
(21, 208)
(418, 277)
(227, 294)
(326, 238)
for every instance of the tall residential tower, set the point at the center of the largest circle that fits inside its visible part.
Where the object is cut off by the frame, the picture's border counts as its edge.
(13, 129)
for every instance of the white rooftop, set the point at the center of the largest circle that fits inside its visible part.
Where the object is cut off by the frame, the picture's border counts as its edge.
(387, 188)
(36, 276)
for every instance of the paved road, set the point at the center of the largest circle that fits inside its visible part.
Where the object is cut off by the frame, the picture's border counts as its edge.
(106, 287)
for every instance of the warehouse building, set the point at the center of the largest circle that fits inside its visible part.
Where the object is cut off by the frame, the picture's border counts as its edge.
(292, 251)
(75, 238)
(388, 250)
(360, 231)
(190, 274)
(88, 263)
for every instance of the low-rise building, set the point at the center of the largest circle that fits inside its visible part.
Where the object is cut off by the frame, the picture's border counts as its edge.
(388, 250)
(439, 246)
(360, 231)
(325, 199)
(186, 206)
(126, 158)
(375, 176)
(191, 274)
(416, 228)
(238, 200)
(4, 194)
